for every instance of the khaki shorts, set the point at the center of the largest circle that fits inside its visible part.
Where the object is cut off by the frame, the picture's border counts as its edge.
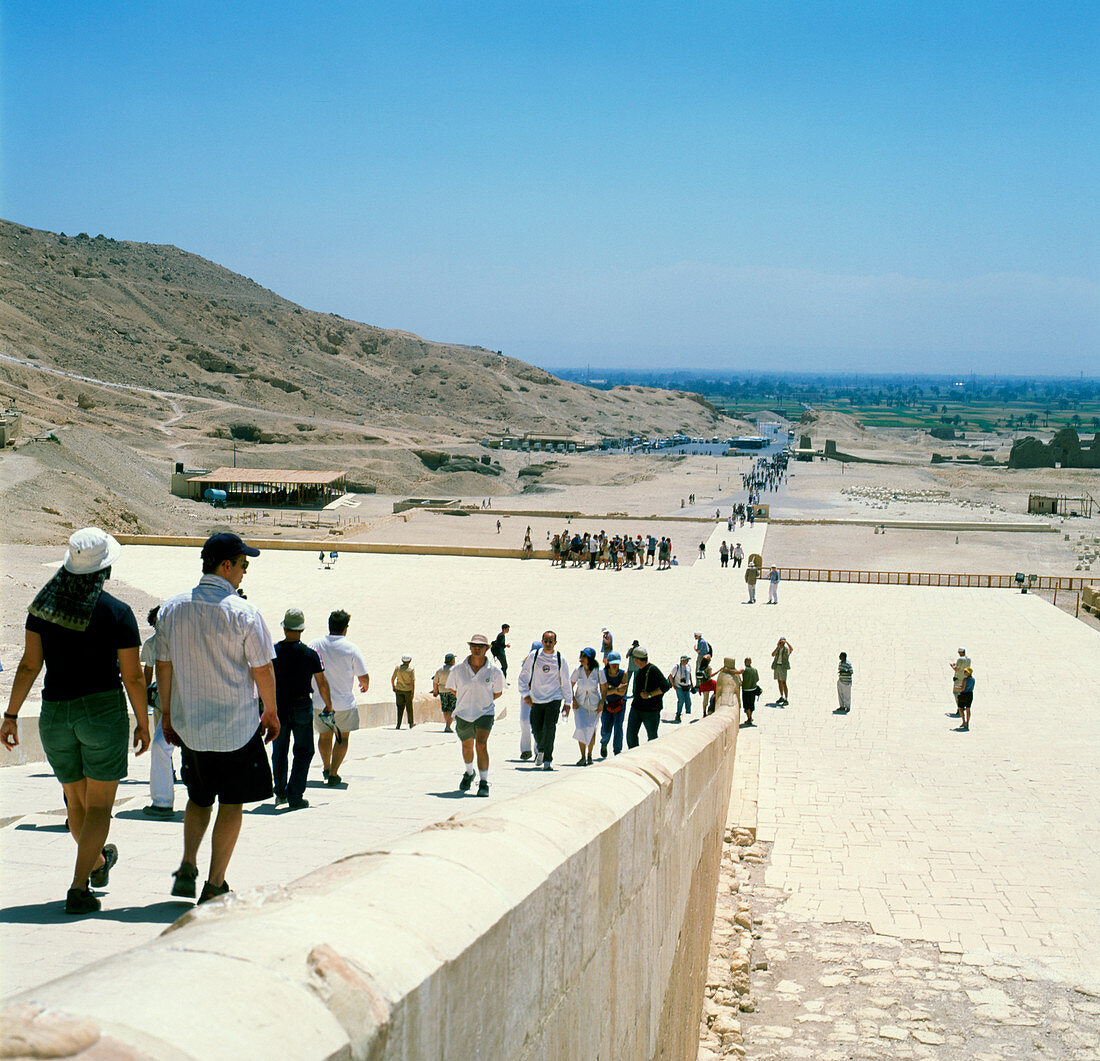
(347, 721)
(466, 730)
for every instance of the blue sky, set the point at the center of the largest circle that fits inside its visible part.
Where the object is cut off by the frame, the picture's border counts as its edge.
(867, 186)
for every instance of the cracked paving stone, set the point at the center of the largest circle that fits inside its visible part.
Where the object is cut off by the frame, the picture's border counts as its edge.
(939, 1006)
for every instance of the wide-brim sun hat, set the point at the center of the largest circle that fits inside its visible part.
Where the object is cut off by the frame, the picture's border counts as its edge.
(478, 639)
(90, 550)
(294, 619)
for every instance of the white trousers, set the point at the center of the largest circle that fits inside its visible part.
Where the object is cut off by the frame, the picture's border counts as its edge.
(525, 743)
(773, 592)
(844, 694)
(161, 789)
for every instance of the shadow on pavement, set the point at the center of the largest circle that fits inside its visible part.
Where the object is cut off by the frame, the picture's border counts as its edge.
(61, 828)
(140, 816)
(53, 913)
(453, 794)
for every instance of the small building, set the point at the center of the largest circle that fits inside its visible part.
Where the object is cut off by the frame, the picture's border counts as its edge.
(539, 442)
(10, 423)
(1046, 505)
(267, 487)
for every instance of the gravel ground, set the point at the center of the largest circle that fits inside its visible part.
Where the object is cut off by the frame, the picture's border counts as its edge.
(779, 988)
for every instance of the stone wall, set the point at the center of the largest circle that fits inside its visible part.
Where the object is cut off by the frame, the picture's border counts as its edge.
(571, 922)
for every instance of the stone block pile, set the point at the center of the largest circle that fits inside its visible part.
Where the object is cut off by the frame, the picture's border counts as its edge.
(728, 989)
(880, 497)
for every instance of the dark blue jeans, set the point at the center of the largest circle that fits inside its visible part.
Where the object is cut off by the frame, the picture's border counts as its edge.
(544, 726)
(650, 719)
(611, 728)
(295, 720)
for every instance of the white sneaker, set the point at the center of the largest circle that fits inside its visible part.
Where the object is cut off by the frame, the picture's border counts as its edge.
(538, 758)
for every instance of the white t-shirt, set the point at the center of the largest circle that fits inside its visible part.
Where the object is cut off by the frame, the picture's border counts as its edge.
(475, 694)
(343, 664)
(586, 687)
(148, 655)
(543, 678)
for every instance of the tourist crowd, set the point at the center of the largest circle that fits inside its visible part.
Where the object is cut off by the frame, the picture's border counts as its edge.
(221, 688)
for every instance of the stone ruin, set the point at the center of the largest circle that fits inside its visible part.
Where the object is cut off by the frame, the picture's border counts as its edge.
(1064, 449)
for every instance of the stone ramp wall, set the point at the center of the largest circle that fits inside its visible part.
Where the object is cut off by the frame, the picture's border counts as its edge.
(572, 922)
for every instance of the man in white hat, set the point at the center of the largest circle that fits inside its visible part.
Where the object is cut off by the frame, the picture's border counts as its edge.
(476, 685)
(214, 652)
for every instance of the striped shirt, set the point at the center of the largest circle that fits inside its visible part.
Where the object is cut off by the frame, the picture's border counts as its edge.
(213, 638)
(844, 672)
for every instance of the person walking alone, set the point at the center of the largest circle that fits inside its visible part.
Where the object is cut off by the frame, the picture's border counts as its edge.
(500, 643)
(844, 684)
(477, 685)
(403, 683)
(781, 663)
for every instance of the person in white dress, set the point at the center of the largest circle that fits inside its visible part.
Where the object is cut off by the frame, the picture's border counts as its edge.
(589, 688)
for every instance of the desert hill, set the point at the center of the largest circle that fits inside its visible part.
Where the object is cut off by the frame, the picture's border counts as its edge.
(124, 358)
(158, 317)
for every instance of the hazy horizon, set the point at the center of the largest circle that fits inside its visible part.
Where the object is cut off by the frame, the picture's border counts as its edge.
(800, 187)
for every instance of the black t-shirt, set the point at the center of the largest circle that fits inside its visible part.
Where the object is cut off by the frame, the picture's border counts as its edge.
(498, 644)
(649, 679)
(295, 666)
(85, 662)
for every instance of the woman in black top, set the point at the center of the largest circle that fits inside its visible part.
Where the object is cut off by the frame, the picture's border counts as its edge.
(88, 642)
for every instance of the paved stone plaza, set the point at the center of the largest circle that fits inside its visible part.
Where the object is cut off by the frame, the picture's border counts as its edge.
(987, 840)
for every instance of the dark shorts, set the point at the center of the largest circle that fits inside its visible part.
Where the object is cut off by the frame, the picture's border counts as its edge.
(466, 730)
(447, 701)
(88, 737)
(241, 776)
